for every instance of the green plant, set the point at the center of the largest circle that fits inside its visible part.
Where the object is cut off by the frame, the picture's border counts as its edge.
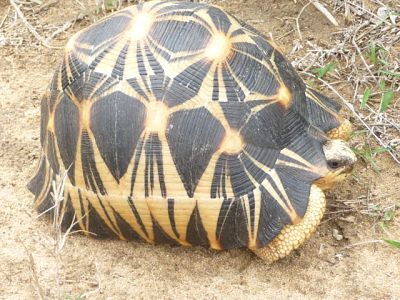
(378, 56)
(321, 72)
(368, 154)
(393, 243)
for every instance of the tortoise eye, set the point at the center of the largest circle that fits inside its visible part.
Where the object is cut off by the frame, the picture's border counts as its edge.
(334, 164)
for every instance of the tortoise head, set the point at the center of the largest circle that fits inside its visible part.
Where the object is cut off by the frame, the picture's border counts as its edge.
(340, 160)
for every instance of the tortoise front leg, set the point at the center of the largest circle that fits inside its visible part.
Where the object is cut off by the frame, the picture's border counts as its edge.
(292, 236)
(342, 132)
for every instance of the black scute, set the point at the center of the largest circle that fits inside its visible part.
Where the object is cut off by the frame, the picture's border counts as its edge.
(178, 36)
(320, 117)
(236, 113)
(107, 29)
(193, 137)
(263, 130)
(272, 219)
(91, 175)
(230, 168)
(297, 182)
(226, 225)
(89, 85)
(36, 184)
(44, 120)
(186, 84)
(219, 18)
(117, 121)
(195, 232)
(67, 131)
(253, 74)
(51, 154)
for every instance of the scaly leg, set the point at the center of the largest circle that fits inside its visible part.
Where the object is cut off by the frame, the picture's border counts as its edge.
(342, 132)
(292, 236)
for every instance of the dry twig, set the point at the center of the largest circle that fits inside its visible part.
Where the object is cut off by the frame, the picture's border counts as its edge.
(34, 272)
(31, 29)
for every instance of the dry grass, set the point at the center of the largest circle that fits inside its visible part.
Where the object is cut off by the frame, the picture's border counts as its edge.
(366, 59)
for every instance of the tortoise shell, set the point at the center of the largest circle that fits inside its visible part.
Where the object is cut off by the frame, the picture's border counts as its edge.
(178, 123)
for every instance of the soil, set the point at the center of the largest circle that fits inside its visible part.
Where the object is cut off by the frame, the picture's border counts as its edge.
(356, 267)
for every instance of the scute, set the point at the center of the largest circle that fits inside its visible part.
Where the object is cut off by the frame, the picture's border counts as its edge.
(117, 122)
(67, 123)
(169, 139)
(194, 136)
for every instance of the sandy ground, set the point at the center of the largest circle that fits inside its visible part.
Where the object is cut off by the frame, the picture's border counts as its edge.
(354, 267)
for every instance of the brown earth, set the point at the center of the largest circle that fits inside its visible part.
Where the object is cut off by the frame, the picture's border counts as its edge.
(355, 267)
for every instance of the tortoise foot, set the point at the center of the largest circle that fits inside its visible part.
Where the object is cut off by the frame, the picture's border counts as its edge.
(292, 236)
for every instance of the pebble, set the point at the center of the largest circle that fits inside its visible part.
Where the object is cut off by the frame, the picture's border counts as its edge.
(337, 235)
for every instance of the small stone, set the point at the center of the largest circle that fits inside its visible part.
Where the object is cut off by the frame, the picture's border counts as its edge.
(337, 235)
(348, 219)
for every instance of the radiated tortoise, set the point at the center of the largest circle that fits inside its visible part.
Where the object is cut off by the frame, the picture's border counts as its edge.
(178, 123)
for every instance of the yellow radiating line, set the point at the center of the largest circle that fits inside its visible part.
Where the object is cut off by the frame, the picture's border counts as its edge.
(209, 210)
(203, 15)
(279, 185)
(203, 187)
(261, 62)
(183, 210)
(121, 205)
(261, 166)
(215, 109)
(245, 90)
(295, 156)
(257, 211)
(46, 184)
(289, 211)
(131, 69)
(179, 18)
(243, 38)
(173, 182)
(108, 61)
(75, 202)
(222, 96)
(103, 208)
(104, 93)
(67, 66)
(292, 165)
(313, 97)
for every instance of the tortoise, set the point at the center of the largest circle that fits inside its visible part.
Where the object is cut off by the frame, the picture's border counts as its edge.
(177, 123)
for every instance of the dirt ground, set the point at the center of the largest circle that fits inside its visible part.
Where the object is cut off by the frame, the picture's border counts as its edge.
(355, 267)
